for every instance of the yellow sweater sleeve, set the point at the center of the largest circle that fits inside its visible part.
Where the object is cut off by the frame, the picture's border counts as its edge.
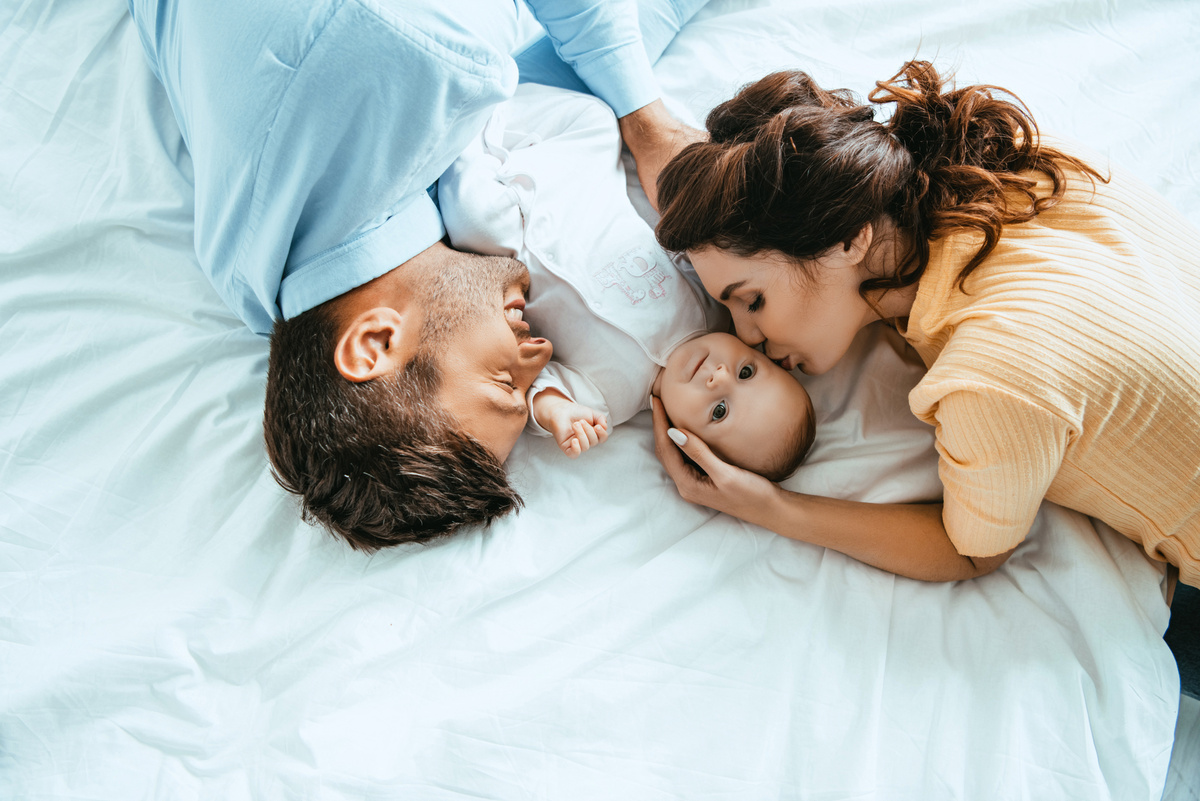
(998, 454)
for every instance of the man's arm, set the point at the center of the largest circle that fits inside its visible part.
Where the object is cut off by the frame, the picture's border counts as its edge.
(654, 136)
(610, 47)
(602, 43)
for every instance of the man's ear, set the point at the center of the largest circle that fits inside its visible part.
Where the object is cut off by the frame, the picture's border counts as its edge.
(376, 342)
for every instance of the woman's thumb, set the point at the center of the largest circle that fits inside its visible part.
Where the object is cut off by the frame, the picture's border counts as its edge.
(695, 448)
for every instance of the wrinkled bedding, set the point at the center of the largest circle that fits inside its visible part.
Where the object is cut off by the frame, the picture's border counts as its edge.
(170, 628)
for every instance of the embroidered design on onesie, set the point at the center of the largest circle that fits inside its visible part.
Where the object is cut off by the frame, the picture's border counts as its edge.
(636, 273)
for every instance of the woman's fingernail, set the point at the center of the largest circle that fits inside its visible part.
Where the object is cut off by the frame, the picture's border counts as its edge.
(677, 436)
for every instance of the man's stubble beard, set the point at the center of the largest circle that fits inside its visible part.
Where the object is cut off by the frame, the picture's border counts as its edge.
(464, 288)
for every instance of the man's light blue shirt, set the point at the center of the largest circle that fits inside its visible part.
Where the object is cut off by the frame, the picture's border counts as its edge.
(315, 128)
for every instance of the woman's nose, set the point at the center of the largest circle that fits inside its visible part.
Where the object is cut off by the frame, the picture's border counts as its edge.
(747, 331)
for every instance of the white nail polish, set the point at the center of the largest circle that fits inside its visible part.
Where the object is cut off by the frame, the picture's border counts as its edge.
(677, 436)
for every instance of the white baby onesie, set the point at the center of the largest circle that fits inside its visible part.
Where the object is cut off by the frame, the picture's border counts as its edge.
(544, 184)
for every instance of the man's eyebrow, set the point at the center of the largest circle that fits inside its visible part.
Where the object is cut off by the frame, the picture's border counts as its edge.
(729, 290)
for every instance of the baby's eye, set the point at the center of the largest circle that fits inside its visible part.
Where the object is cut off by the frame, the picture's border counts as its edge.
(746, 372)
(756, 304)
(720, 410)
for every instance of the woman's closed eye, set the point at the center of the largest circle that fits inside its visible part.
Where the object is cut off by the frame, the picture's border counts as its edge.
(719, 411)
(756, 303)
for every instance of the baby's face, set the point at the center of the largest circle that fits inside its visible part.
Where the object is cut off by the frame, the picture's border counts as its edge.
(734, 398)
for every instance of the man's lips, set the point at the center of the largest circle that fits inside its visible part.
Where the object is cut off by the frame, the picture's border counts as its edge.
(514, 314)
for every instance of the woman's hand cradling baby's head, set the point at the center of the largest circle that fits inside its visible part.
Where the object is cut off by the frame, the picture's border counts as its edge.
(716, 484)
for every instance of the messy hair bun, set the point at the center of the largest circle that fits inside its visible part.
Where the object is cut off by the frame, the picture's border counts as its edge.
(798, 169)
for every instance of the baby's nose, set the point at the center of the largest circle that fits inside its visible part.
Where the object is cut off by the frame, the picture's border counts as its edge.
(718, 375)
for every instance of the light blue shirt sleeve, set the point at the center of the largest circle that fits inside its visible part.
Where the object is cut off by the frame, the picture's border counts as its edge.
(618, 75)
(602, 43)
(316, 128)
(314, 131)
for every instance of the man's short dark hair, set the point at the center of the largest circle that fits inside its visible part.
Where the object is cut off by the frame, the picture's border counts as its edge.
(379, 462)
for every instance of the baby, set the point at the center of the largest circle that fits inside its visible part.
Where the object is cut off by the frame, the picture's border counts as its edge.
(544, 184)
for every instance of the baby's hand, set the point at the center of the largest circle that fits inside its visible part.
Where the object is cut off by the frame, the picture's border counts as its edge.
(574, 427)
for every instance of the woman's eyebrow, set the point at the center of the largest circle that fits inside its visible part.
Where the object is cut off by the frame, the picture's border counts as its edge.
(729, 290)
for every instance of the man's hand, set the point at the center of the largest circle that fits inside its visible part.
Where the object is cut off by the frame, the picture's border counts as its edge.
(654, 137)
(574, 427)
(721, 486)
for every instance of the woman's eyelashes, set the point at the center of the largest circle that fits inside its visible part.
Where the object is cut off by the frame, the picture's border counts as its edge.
(756, 303)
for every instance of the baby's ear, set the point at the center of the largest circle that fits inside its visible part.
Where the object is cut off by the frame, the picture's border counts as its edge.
(376, 342)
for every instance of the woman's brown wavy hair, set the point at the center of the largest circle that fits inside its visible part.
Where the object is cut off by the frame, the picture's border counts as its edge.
(798, 169)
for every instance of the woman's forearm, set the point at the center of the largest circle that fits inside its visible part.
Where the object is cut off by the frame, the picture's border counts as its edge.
(907, 539)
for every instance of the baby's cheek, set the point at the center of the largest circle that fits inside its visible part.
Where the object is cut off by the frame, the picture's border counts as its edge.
(678, 416)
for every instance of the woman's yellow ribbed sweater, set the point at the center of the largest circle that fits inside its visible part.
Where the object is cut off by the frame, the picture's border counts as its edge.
(1068, 370)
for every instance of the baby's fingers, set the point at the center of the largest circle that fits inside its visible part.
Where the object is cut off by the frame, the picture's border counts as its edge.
(586, 433)
(571, 448)
(601, 428)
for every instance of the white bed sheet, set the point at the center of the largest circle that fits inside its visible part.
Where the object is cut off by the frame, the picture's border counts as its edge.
(170, 629)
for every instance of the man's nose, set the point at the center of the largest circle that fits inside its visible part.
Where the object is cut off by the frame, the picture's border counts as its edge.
(534, 354)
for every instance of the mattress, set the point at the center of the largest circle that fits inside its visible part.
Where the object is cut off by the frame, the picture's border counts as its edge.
(171, 628)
